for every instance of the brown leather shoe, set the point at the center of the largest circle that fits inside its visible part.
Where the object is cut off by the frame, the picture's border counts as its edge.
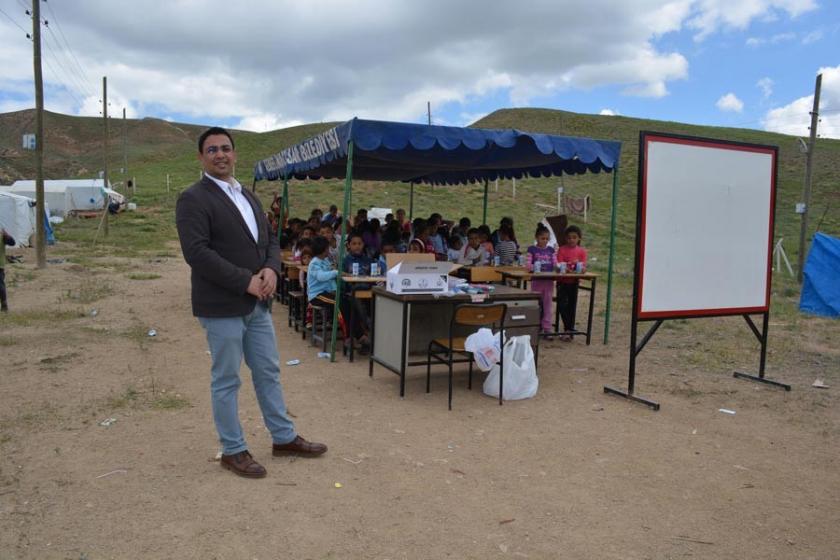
(298, 446)
(243, 464)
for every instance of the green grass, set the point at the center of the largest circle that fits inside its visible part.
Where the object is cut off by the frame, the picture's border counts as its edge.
(32, 317)
(170, 402)
(157, 149)
(143, 276)
(127, 398)
(87, 292)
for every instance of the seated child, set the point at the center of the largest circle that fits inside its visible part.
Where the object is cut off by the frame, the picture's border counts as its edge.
(306, 233)
(320, 279)
(387, 247)
(570, 253)
(326, 231)
(506, 248)
(474, 254)
(356, 255)
(484, 235)
(456, 245)
(305, 259)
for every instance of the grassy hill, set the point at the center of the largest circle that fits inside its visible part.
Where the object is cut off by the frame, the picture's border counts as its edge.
(158, 148)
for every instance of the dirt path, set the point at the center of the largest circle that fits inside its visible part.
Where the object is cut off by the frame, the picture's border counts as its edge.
(570, 474)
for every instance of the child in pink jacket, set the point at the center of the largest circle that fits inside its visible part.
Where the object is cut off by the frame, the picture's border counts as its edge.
(572, 254)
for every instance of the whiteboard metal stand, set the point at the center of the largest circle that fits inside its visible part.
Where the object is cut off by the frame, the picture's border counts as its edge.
(762, 339)
(637, 346)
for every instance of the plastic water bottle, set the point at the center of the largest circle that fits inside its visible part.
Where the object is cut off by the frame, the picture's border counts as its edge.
(374, 269)
(497, 260)
(579, 267)
(537, 266)
(561, 267)
(355, 269)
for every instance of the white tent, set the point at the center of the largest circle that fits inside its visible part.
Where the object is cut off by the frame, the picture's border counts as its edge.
(17, 217)
(68, 195)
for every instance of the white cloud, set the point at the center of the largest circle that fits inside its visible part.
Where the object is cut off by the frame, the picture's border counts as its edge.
(263, 122)
(766, 86)
(730, 103)
(470, 118)
(712, 15)
(812, 37)
(373, 58)
(795, 118)
(773, 40)
(608, 112)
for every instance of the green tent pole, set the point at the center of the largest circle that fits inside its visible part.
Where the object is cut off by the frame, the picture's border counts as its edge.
(613, 215)
(348, 187)
(484, 219)
(284, 207)
(411, 202)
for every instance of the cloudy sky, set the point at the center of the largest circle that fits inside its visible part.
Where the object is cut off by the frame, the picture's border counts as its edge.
(267, 64)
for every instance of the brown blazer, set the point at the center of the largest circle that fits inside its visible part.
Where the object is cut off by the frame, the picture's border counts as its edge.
(220, 250)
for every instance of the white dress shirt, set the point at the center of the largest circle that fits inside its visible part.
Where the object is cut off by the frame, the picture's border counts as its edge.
(234, 192)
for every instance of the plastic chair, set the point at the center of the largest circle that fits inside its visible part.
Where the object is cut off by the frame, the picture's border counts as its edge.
(443, 350)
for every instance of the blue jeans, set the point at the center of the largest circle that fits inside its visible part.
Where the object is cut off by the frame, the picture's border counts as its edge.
(229, 338)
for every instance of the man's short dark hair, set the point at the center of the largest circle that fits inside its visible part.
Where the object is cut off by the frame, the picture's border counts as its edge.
(210, 132)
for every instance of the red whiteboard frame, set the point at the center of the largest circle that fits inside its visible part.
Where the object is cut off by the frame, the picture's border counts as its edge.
(645, 139)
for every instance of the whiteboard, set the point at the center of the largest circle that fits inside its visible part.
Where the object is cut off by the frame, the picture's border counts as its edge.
(705, 227)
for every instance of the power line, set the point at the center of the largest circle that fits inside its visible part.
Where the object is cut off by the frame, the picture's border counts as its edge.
(69, 49)
(16, 23)
(61, 81)
(65, 73)
(70, 71)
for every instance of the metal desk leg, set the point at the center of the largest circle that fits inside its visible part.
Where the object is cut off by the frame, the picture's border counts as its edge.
(591, 310)
(372, 334)
(405, 311)
(350, 326)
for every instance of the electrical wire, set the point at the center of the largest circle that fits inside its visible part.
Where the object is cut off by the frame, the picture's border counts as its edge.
(14, 22)
(78, 82)
(69, 49)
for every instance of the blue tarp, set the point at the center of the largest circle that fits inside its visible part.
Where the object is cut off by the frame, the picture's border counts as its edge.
(389, 151)
(821, 287)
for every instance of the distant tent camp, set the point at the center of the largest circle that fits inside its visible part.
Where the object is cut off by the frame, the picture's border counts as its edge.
(17, 217)
(65, 196)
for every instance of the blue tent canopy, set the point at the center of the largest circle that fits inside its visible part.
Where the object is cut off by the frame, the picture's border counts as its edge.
(820, 290)
(437, 154)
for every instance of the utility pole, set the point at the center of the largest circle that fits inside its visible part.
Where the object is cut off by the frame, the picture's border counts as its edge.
(105, 161)
(806, 196)
(40, 231)
(429, 111)
(125, 147)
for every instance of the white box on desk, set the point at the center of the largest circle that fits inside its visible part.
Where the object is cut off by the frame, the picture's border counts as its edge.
(419, 278)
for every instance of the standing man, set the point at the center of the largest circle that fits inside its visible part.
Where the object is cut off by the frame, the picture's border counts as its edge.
(235, 260)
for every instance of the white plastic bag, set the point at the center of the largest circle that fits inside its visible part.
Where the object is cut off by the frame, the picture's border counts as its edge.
(485, 348)
(520, 380)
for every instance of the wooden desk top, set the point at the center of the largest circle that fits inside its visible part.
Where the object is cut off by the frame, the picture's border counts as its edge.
(350, 279)
(523, 274)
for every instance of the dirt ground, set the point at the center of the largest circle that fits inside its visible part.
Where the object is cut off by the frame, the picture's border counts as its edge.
(572, 473)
